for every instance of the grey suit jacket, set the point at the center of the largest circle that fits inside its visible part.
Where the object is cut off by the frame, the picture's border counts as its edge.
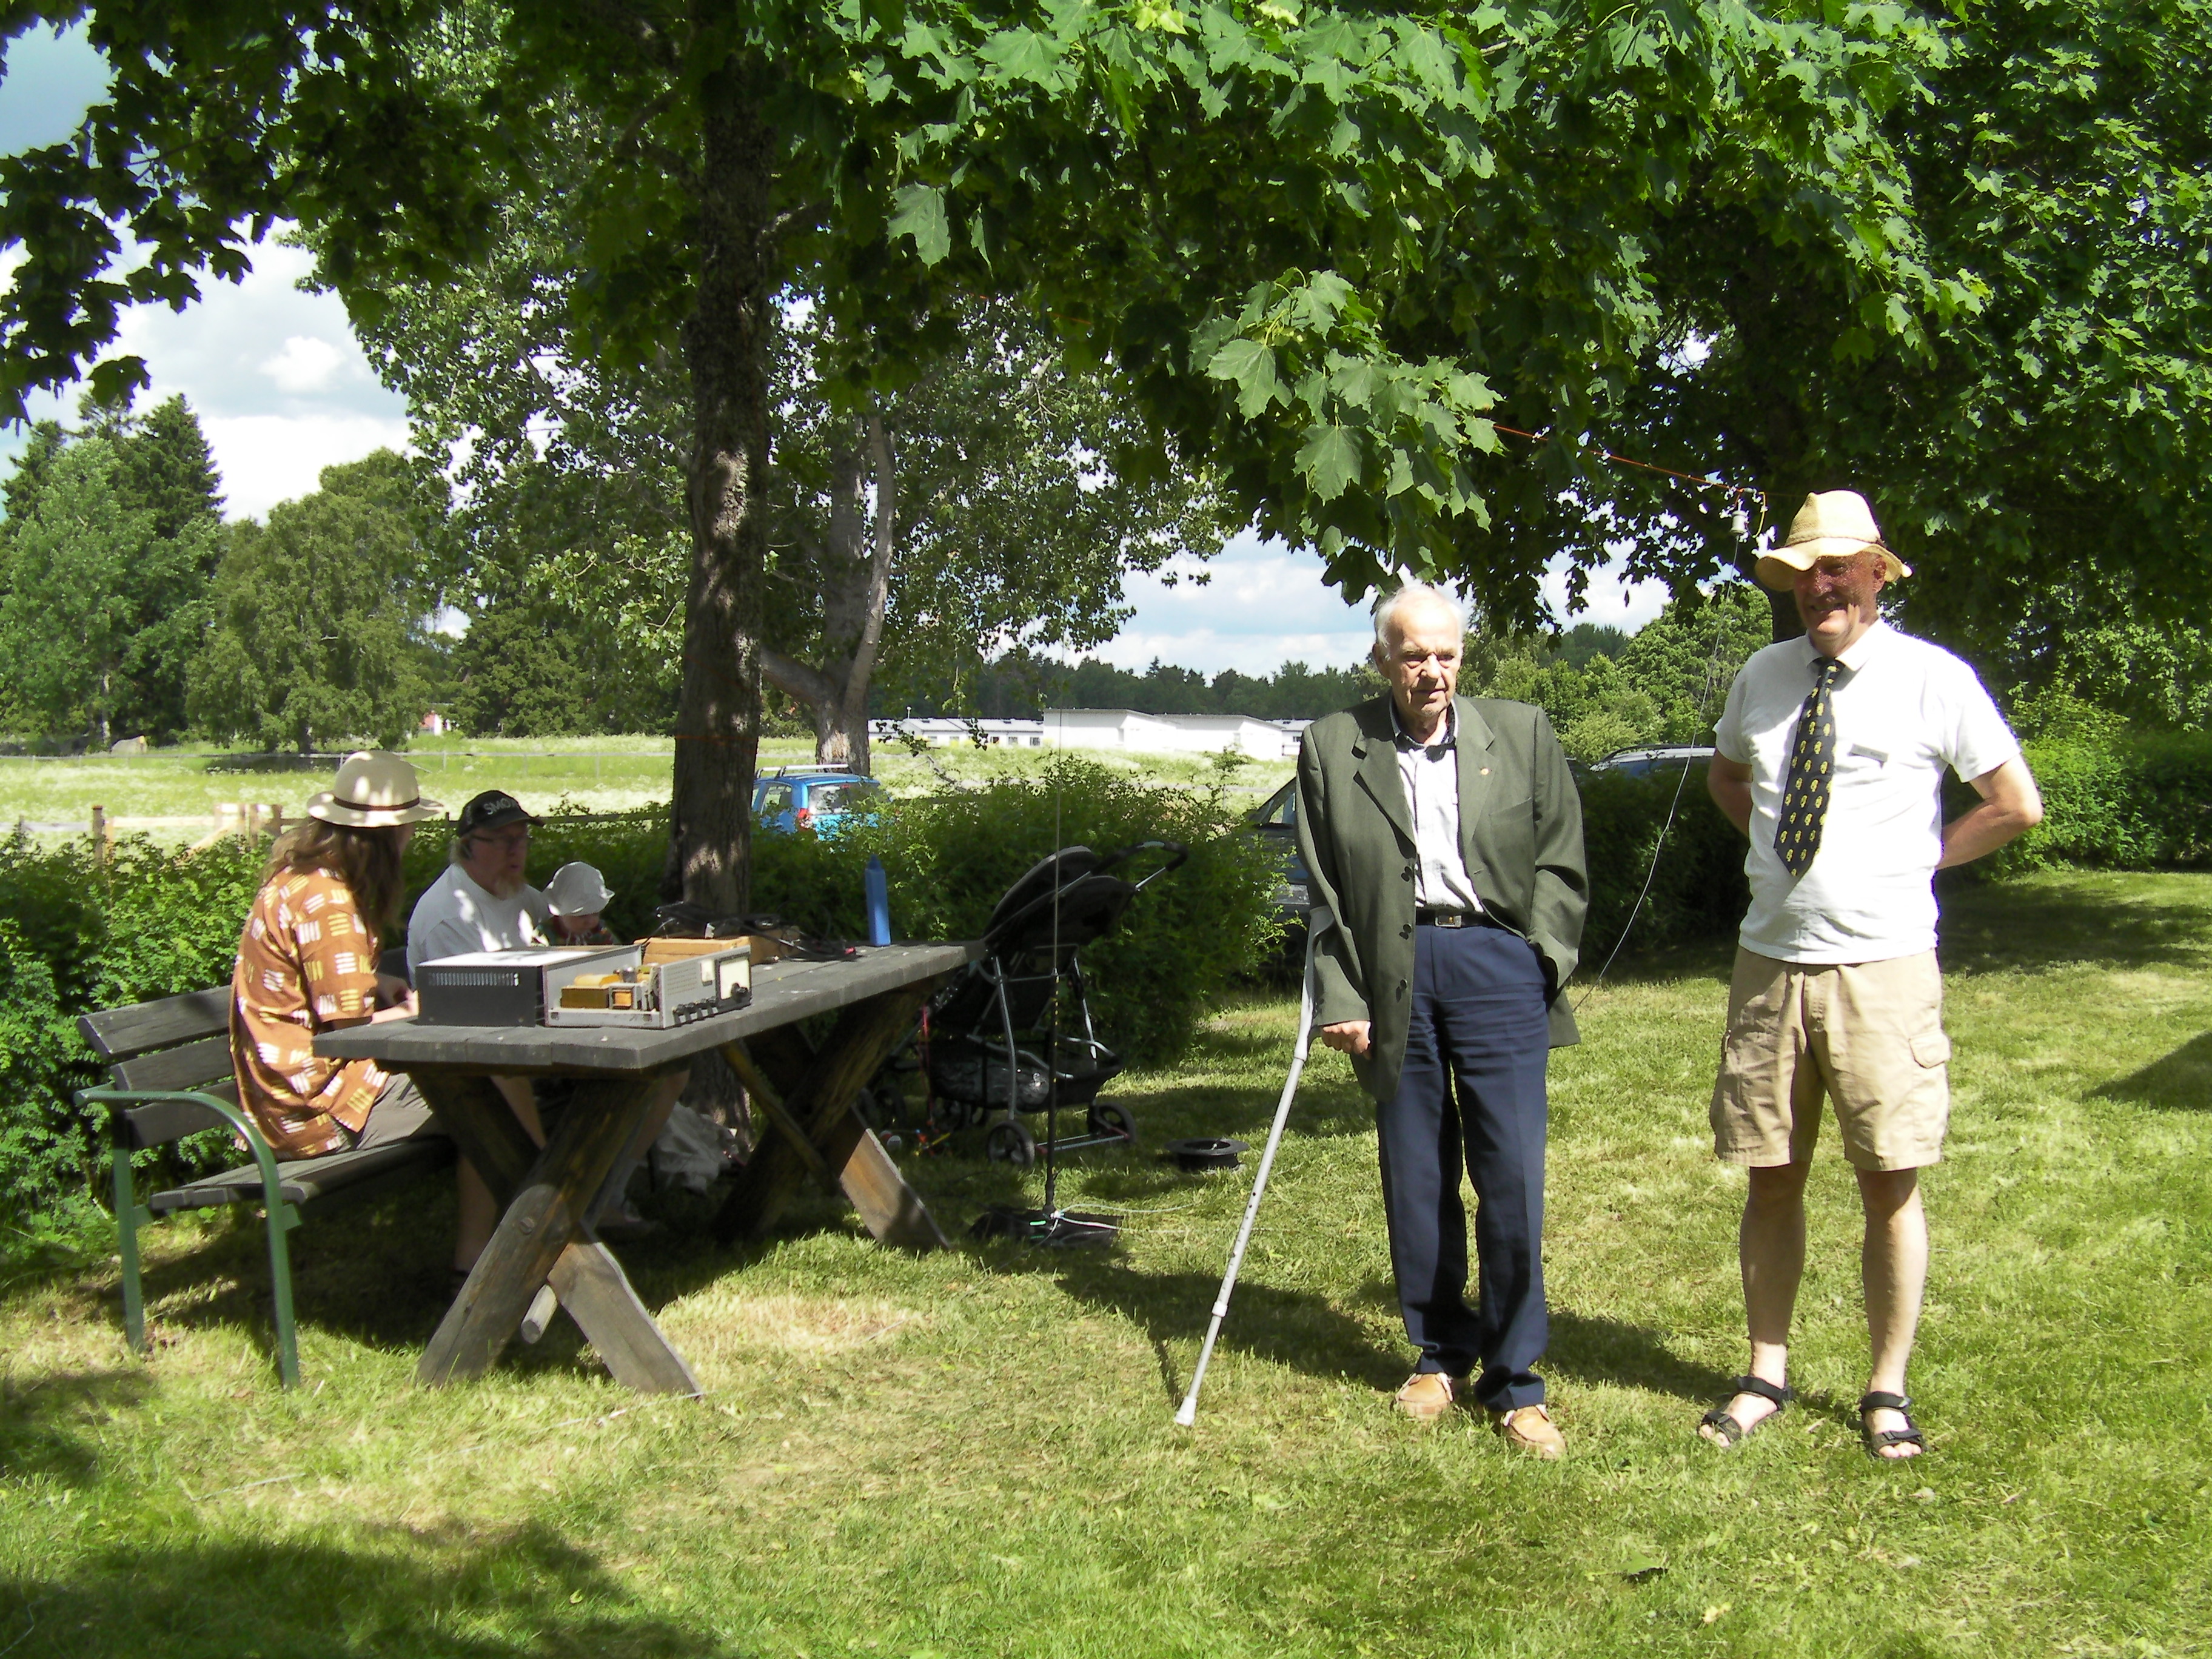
(1521, 832)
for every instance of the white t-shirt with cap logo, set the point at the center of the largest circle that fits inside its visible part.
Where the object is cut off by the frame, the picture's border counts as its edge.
(1904, 710)
(455, 916)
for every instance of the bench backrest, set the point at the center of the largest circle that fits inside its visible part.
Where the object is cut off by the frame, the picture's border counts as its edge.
(171, 1043)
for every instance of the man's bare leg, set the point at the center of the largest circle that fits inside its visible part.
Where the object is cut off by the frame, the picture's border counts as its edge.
(1771, 1248)
(478, 1213)
(1894, 1266)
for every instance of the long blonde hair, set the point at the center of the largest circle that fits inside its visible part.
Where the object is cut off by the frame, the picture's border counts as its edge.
(367, 860)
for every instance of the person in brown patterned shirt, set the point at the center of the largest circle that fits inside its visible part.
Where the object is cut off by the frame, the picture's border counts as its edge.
(307, 963)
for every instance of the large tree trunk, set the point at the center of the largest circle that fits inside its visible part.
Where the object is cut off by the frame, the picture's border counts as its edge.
(726, 343)
(854, 571)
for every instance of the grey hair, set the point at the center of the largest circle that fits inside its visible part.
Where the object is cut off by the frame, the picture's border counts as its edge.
(1387, 607)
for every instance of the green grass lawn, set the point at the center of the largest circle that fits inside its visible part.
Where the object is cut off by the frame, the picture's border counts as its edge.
(598, 775)
(972, 1453)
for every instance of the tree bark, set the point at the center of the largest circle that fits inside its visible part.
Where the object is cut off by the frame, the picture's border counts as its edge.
(726, 346)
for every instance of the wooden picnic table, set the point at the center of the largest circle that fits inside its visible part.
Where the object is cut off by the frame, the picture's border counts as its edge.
(805, 1092)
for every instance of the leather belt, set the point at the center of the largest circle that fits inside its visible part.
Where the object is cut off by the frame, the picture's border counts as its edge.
(1424, 918)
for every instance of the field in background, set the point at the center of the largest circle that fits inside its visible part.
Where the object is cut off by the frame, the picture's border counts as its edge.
(971, 1453)
(593, 774)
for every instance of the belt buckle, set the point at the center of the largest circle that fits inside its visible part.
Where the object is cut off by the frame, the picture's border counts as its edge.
(1454, 919)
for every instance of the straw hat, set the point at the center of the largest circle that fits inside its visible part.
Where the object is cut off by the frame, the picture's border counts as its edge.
(577, 889)
(374, 789)
(1832, 524)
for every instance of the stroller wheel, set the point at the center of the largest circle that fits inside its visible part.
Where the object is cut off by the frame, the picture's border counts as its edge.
(1109, 1117)
(1011, 1143)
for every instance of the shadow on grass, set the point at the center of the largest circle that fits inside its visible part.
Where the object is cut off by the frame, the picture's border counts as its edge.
(2178, 1082)
(434, 1596)
(37, 1422)
(1294, 1328)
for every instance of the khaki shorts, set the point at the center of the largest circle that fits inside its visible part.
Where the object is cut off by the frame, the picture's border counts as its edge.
(1867, 1034)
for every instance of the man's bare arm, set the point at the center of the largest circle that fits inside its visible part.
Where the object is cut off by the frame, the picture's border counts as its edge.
(1728, 782)
(2010, 805)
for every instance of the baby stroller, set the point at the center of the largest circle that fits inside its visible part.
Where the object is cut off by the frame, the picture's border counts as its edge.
(992, 1049)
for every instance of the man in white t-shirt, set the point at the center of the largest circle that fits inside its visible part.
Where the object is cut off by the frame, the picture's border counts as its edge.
(482, 902)
(1831, 756)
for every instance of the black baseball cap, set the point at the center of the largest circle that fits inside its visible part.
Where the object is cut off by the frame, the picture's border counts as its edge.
(495, 808)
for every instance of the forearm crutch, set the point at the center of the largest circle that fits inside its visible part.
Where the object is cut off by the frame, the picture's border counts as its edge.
(1318, 921)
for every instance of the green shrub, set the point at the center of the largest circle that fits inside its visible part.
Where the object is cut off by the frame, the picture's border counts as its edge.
(2116, 800)
(949, 860)
(77, 933)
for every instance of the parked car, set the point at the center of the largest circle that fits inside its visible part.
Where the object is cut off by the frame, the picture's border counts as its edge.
(820, 799)
(1276, 820)
(1643, 762)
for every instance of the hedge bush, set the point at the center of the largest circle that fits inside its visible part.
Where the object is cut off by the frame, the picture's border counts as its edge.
(2121, 802)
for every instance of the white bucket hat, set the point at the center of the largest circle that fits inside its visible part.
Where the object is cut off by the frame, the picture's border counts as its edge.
(577, 889)
(1833, 524)
(374, 789)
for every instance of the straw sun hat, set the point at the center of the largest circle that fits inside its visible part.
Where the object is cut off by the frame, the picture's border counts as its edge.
(374, 789)
(1832, 524)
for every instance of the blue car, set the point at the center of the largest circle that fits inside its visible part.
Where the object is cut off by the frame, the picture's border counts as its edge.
(820, 799)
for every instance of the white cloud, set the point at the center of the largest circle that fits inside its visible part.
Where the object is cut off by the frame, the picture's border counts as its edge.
(267, 459)
(281, 385)
(306, 364)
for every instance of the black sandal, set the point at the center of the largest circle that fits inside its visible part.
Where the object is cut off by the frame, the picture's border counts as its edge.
(1718, 1418)
(1909, 1435)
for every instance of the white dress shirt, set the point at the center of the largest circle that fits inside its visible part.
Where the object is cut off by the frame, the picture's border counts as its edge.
(1904, 710)
(1431, 775)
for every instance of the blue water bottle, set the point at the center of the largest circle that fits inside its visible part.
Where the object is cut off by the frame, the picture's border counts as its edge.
(879, 903)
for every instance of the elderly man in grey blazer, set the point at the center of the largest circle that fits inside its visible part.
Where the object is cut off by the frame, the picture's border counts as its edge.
(1445, 836)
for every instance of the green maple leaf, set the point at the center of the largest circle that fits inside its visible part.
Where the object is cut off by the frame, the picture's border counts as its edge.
(920, 215)
(1331, 458)
(1252, 367)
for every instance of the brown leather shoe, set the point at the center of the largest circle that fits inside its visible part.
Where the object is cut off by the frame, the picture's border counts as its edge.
(1531, 1429)
(1426, 1396)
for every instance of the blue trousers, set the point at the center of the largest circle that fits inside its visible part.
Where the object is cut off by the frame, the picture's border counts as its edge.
(1471, 1095)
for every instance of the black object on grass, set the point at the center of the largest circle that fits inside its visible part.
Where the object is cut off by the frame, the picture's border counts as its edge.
(1205, 1153)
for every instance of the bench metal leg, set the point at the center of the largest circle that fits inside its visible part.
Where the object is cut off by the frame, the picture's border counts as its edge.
(129, 1217)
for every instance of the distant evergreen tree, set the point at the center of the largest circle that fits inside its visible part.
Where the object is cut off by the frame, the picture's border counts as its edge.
(168, 471)
(107, 582)
(532, 669)
(320, 617)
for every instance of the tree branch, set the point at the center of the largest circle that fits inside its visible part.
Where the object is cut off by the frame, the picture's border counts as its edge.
(809, 685)
(884, 457)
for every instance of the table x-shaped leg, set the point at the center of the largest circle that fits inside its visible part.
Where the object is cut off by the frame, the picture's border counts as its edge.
(817, 1090)
(539, 1239)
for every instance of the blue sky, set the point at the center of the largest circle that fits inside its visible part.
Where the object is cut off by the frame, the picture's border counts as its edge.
(283, 390)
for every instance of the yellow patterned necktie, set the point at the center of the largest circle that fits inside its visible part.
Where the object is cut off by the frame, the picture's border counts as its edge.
(1812, 768)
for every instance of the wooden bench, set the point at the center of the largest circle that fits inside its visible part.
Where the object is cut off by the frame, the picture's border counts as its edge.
(169, 1076)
